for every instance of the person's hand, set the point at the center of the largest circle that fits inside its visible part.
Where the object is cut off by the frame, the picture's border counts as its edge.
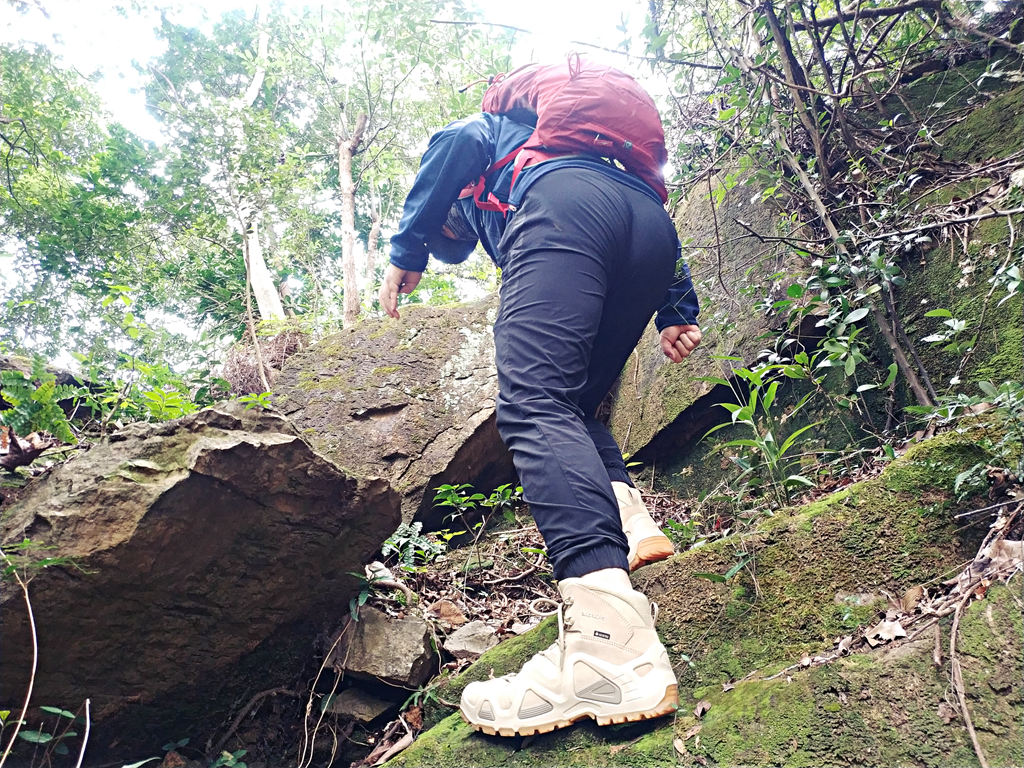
(396, 281)
(678, 341)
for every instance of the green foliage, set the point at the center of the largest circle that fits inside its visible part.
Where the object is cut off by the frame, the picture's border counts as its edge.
(52, 734)
(460, 497)
(22, 559)
(229, 759)
(1005, 404)
(413, 547)
(260, 400)
(88, 208)
(742, 558)
(767, 466)
(35, 402)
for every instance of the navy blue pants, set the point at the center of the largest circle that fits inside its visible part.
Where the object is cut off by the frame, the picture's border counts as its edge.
(586, 261)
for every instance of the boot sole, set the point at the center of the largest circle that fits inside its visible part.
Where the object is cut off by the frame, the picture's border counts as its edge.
(668, 705)
(651, 550)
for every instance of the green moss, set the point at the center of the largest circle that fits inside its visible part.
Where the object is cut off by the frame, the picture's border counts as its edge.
(995, 131)
(789, 601)
(956, 279)
(952, 88)
(507, 657)
(384, 370)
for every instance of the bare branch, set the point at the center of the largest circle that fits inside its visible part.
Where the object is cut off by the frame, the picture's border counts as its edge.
(872, 13)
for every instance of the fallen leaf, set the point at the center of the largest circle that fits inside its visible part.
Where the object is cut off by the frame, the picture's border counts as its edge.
(414, 717)
(702, 706)
(886, 631)
(680, 747)
(448, 612)
(911, 598)
(614, 749)
(692, 732)
(519, 628)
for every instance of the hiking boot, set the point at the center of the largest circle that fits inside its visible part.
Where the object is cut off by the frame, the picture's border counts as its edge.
(608, 664)
(647, 544)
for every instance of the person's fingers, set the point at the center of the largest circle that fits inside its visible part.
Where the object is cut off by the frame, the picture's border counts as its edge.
(669, 348)
(388, 295)
(678, 341)
(409, 281)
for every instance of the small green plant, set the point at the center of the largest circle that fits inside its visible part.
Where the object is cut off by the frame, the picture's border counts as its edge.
(464, 500)
(413, 547)
(764, 458)
(742, 558)
(53, 736)
(460, 497)
(504, 499)
(423, 695)
(684, 535)
(365, 588)
(261, 400)
(229, 759)
(35, 402)
(22, 559)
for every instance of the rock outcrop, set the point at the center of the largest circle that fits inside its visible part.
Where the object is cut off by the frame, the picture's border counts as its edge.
(190, 550)
(411, 401)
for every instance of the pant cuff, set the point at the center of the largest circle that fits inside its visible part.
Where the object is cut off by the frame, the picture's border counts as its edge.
(594, 559)
(620, 476)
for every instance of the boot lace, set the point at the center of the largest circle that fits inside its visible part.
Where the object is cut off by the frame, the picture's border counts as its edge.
(554, 653)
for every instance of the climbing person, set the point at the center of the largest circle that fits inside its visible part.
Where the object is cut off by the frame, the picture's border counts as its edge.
(587, 255)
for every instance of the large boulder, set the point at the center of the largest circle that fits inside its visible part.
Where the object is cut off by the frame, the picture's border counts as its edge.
(190, 548)
(411, 401)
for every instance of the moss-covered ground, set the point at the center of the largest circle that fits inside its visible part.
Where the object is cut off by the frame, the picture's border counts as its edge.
(818, 572)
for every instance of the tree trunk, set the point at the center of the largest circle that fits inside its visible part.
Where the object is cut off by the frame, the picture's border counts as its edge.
(347, 146)
(268, 301)
(372, 248)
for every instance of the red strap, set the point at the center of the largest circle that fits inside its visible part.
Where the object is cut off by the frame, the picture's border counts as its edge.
(492, 203)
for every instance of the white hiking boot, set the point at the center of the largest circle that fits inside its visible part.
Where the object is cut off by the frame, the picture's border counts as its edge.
(608, 664)
(647, 544)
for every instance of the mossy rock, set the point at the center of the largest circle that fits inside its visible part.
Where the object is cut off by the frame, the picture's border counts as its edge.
(994, 131)
(889, 707)
(410, 401)
(956, 278)
(818, 572)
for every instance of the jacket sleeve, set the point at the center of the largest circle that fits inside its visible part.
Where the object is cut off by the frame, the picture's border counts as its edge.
(456, 156)
(681, 306)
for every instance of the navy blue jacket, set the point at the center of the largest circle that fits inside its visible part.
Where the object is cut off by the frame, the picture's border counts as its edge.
(457, 156)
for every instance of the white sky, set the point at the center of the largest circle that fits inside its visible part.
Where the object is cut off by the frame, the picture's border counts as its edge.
(96, 39)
